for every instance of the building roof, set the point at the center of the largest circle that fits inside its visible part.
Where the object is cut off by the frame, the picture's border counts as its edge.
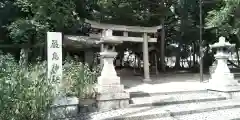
(80, 41)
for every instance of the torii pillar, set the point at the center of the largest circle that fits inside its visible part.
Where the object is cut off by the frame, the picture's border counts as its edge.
(146, 58)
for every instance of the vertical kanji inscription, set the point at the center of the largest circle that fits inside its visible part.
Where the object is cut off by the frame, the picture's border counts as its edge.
(55, 44)
(55, 56)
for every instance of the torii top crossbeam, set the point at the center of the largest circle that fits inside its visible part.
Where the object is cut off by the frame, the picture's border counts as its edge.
(108, 29)
(112, 27)
(123, 27)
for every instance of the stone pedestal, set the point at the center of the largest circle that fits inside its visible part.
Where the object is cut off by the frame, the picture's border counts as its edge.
(212, 68)
(110, 93)
(222, 81)
(222, 78)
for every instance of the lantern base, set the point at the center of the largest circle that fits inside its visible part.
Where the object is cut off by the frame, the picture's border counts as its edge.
(230, 92)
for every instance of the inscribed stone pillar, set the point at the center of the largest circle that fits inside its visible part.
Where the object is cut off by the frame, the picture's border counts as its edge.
(146, 58)
(24, 57)
(54, 47)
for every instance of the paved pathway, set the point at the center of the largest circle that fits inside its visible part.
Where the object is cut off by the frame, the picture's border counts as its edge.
(164, 83)
(170, 82)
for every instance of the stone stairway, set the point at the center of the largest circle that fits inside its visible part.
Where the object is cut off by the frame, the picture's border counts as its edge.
(185, 105)
(179, 105)
(174, 105)
(236, 73)
(159, 99)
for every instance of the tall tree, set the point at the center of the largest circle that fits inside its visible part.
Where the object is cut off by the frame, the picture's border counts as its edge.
(39, 17)
(225, 18)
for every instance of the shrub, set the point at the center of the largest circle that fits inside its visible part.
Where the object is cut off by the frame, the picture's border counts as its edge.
(25, 94)
(79, 78)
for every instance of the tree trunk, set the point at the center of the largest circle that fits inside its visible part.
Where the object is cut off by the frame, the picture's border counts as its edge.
(238, 36)
(163, 46)
(121, 56)
(24, 57)
(194, 54)
(158, 62)
(178, 52)
(183, 20)
(177, 62)
(236, 49)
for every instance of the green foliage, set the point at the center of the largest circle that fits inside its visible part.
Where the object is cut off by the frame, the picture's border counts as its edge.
(80, 79)
(7, 11)
(19, 28)
(181, 17)
(224, 19)
(130, 12)
(42, 16)
(25, 95)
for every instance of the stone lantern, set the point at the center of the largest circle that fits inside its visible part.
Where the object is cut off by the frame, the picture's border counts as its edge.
(221, 79)
(110, 93)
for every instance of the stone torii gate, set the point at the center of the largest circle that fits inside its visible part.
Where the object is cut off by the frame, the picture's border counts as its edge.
(108, 29)
(110, 92)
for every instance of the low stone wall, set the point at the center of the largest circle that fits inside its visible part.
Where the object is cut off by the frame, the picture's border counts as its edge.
(72, 107)
(87, 105)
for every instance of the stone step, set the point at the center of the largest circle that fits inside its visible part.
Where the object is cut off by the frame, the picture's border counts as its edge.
(235, 70)
(143, 94)
(229, 114)
(236, 75)
(189, 111)
(164, 99)
(166, 112)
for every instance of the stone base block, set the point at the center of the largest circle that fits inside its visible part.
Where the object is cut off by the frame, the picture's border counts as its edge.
(109, 88)
(63, 107)
(223, 85)
(108, 80)
(231, 92)
(87, 105)
(223, 81)
(109, 101)
(112, 96)
(112, 104)
(147, 80)
(233, 88)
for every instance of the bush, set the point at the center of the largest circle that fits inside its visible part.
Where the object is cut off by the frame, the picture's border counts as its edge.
(79, 78)
(25, 94)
